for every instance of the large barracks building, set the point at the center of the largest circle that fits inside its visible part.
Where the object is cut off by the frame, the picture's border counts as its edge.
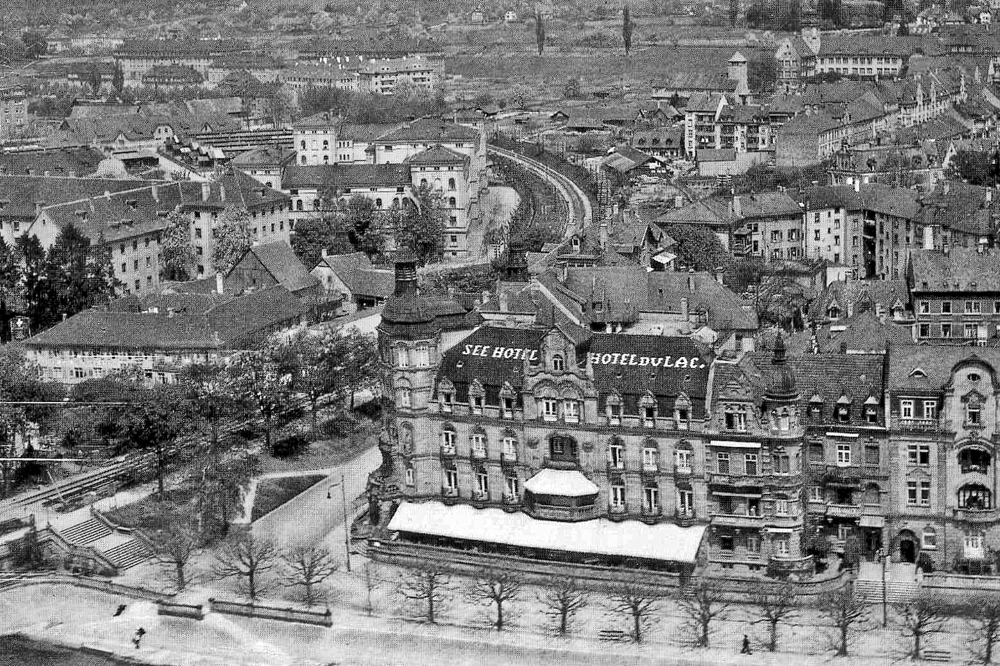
(548, 441)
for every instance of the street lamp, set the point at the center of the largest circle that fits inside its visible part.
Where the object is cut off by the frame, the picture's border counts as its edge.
(883, 557)
(347, 526)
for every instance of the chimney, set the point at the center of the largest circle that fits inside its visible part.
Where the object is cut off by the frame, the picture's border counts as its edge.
(850, 308)
(502, 297)
(323, 253)
(690, 281)
(989, 195)
(737, 207)
(928, 237)
(684, 308)
(219, 283)
(486, 296)
(604, 234)
(206, 191)
(222, 193)
(719, 272)
(563, 272)
(857, 184)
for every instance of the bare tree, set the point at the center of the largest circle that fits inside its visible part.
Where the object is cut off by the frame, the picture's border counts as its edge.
(982, 611)
(847, 613)
(776, 607)
(639, 603)
(925, 615)
(429, 585)
(497, 588)
(309, 566)
(174, 547)
(562, 602)
(249, 559)
(701, 603)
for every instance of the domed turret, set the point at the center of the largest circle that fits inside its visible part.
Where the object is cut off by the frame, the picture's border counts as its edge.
(407, 315)
(781, 385)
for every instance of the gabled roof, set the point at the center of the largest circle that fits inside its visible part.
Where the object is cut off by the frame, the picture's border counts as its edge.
(709, 212)
(461, 366)
(280, 261)
(438, 155)
(356, 272)
(768, 204)
(929, 367)
(20, 195)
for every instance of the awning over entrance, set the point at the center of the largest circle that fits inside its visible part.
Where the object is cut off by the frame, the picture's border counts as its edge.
(630, 538)
(872, 521)
(566, 483)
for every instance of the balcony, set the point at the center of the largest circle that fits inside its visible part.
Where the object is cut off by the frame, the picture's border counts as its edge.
(920, 425)
(740, 480)
(560, 463)
(976, 515)
(448, 451)
(849, 511)
(651, 514)
(650, 468)
(508, 458)
(684, 517)
(479, 454)
(682, 472)
(511, 502)
(480, 498)
(450, 494)
(564, 513)
(737, 520)
(852, 474)
(616, 465)
(975, 469)
(617, 511)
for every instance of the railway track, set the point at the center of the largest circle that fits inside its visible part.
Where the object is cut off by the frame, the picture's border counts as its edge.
(580, 213)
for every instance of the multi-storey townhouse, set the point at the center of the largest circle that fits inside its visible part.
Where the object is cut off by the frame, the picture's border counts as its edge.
(13, 110)
(137, 57)
(956, 294)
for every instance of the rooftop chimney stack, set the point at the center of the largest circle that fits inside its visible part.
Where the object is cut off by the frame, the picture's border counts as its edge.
(206, 191)
(604, 234)
(219, 283)
(406, 274)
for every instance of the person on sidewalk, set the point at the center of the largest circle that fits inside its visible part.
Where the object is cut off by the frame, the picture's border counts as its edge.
(139, 633)
(121, 609)
(746, 645)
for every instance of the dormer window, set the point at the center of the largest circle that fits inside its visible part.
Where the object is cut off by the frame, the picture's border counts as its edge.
(736, 418)
(571, 410)
(815, 406)
(423, 356)
(402, 357)
(477, 404)
(550, 409)
(871, 413)
(784, 420)
(446, 401)
(842, 412)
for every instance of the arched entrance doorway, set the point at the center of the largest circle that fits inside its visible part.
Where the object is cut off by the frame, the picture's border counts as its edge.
(908, 546)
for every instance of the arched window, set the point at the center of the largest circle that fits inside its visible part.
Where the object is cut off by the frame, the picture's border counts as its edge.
(405, 397)
(402, 357)
(451, 183)
(326, 144)
(303, 159)
(929, 538)
(326, 159)
(558, 364)
(406, 438)
(315, 204)
(453, 202)
(410, 480)
(650, 455)
(872, 495)
(378, 203)
(437, 184)
(302, 145)
(423, 182)
(298, 204)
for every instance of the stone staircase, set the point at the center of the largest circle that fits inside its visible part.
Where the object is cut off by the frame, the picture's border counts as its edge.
(129, 554)
(896, 591)
(122, 549)
(86, 532)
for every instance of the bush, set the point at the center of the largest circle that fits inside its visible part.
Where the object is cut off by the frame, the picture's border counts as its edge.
(338, 426)
(292, 445)
(925, 563)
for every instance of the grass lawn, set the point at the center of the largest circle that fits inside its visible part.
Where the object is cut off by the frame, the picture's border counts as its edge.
(272, 493)
(150, 513)
(328, 451)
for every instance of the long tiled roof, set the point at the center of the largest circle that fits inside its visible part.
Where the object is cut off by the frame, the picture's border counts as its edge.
(61, 162)
(357, 274)
(711, 212)
(768, 204)
(341, 176)
(961, 270)
(228, 325)
(20, 195)
(438, 155)
(462, 367)
(429, 131)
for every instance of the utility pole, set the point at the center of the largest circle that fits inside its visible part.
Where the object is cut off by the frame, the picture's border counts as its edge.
(347, 525)
(883, 557)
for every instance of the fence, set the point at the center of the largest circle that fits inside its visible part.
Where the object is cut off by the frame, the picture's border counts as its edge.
(321, 618)
(956, 585)
(98, 584)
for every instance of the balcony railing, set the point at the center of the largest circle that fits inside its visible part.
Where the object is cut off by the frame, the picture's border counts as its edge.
(852, 473)
(617, 509)
(843, 511)
(616, 465)
(650, 467)
(479, 454)
(969, 468)
(920, 425)
(511, 498)
(566, 513)
(448, 450)
(450, 494)
(509, 458)
(737, 520)
(683, 471)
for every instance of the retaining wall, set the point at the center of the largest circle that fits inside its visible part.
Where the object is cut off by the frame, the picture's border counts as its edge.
(322, 618)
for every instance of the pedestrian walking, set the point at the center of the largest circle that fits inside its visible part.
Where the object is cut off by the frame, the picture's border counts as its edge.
(139, 633)
(746, 645)
(121, 609)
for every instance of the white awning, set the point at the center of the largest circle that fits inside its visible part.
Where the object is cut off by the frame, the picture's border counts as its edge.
(566, 483)
(852, 435)
(630, 538)
(734, 445)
